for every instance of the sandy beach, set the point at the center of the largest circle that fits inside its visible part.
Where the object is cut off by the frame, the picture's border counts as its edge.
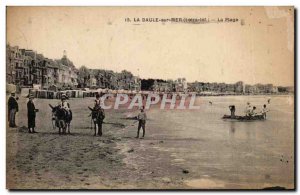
(81, 161)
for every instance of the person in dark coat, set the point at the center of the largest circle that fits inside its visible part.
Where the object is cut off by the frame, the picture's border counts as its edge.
(31, 113)
(232, 111)
(100, 118)
(13, 108)
(97, 101)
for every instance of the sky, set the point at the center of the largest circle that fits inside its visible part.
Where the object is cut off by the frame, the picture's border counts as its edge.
(259, 48)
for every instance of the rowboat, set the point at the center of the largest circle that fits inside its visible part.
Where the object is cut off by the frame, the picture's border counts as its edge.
(244, 118)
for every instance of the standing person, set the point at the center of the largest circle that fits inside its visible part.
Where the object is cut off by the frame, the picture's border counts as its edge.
(13, 108)
(264, 111)
(232, 111)
(31, 113)
(100, 119)
(142, 117)
(97, 101)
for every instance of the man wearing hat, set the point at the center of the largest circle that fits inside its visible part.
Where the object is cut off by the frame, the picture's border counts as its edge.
(13, 108)
(31, 113)
(142, 117)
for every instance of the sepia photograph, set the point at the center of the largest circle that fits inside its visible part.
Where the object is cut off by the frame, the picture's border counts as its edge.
(150, 98)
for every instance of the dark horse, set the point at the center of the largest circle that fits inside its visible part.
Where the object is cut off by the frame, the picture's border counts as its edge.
(62, 118)
(97, 117)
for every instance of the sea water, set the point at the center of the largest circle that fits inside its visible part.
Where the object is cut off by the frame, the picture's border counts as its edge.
(229, 153)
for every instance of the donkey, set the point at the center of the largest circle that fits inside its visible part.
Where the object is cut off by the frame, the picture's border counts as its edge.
(62, 118)
(97, 117)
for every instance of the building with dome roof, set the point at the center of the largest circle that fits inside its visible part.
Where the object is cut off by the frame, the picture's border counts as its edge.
(26, 68)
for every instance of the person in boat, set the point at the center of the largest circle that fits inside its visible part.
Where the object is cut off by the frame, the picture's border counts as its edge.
(253, 112)
(248, 109)
(232, 111)
(264, 111)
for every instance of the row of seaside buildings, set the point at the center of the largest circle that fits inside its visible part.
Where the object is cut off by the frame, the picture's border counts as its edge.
(220, 88)
(27, 68)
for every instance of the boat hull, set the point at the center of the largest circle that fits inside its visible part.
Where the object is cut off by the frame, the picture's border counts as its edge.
(244, 118)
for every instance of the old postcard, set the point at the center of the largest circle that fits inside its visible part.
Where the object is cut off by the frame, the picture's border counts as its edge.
(150, 98)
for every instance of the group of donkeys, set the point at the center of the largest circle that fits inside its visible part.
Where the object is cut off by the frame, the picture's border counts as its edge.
(63, 118)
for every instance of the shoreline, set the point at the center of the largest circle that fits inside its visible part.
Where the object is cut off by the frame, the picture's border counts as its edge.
(92, 93)
(117, 160)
